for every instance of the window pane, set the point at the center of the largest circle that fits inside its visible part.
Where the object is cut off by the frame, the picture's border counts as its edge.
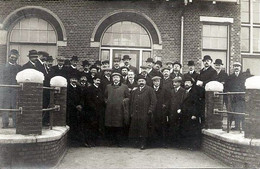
(256, 39)
(256, 11)
(105, 55)
(33, 30)
(252, 64)
(126, 34)
(245, 11)
(245, 39)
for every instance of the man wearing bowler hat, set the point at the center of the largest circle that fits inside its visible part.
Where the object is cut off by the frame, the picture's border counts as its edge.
(33, 57)
(115, 95)
(207, 73)
(191, 73)
(126, 59)
(41, 63)
(176, 70)
(142, 105)
(72, 70)
(59, 69)
(156, 69)
(150, 64)
(221, 74)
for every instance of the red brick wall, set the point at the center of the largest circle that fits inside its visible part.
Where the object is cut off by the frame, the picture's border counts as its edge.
(36, 155)
(80, 18)
(232, 154)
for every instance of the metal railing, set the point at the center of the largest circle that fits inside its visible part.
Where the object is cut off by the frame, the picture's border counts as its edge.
(49, 109)
(229, 113)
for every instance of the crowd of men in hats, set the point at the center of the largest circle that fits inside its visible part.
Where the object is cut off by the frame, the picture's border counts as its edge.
(159, 105)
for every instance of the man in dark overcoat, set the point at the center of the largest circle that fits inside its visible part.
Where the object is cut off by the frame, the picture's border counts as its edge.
(126, 59)
(176, 99)
(9, 95)
(131, 81)
(115, 94)
(191, 73)
(156, 69)
(208, 73)
(94, 107)
(160, 112)
(176, 70)
(148, 78)
(116, 65)
(221, 74)
(142, 105)
(31, 64)
(59, 69)
(72, 69)
(167, 80)
(236, 83)
(74, 109)
(192, 114)
(105, 78)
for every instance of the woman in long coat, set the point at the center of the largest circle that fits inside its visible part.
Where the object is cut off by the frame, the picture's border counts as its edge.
(142, 104)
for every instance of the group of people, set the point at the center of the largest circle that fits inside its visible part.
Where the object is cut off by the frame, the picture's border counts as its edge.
(159, 105)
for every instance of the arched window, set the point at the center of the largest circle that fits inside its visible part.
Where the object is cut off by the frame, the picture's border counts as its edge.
(126, 38)
(33, 33)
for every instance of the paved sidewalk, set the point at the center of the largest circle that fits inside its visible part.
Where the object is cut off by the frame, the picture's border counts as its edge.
(107, 157)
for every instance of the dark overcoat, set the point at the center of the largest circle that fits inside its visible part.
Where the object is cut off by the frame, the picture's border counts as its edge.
(56, 71)
(104, 83)
(29, 65)
(8, 76)
(222, 77)
(167, 83)
(192, 105)
(160, 112)
(193, 75)
(207, 75)
(131, 86)
(114, 115)
(175, 104)
(140, 103)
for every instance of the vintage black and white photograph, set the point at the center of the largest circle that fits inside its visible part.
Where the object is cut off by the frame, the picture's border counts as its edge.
(129, 84)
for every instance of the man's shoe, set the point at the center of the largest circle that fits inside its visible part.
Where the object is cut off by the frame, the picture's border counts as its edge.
(142, 147)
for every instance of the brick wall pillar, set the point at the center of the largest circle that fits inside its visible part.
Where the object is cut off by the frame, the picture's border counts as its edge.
(252, 118)
(60, 98)
(29, 121)
(212, 101)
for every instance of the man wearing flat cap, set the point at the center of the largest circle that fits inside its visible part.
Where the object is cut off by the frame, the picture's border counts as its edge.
(236, 83)
(177, 97)
(191, 73)
(160, 112)
(207, 73)
(59, 69)
(156, 69)
(192, 111)
(126, 59)
(116, 94)
(142, 105)
(8, 97)
(33, 57)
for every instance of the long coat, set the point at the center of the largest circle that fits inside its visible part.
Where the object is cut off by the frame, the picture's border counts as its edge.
(114, 115)
(175, 104)
(8, 76)
(207, 75)
(192, 105)
(140, 103)
(160, 112)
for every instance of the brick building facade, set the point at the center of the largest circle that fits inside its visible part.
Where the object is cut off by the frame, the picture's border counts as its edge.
(175, 29)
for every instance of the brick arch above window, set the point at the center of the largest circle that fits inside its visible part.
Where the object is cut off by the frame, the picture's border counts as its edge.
(120, 16)
(38, 12)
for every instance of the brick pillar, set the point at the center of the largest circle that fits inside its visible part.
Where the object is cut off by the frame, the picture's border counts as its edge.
(212, 101)
(60, 98)
(29, 121)
(252, 118)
